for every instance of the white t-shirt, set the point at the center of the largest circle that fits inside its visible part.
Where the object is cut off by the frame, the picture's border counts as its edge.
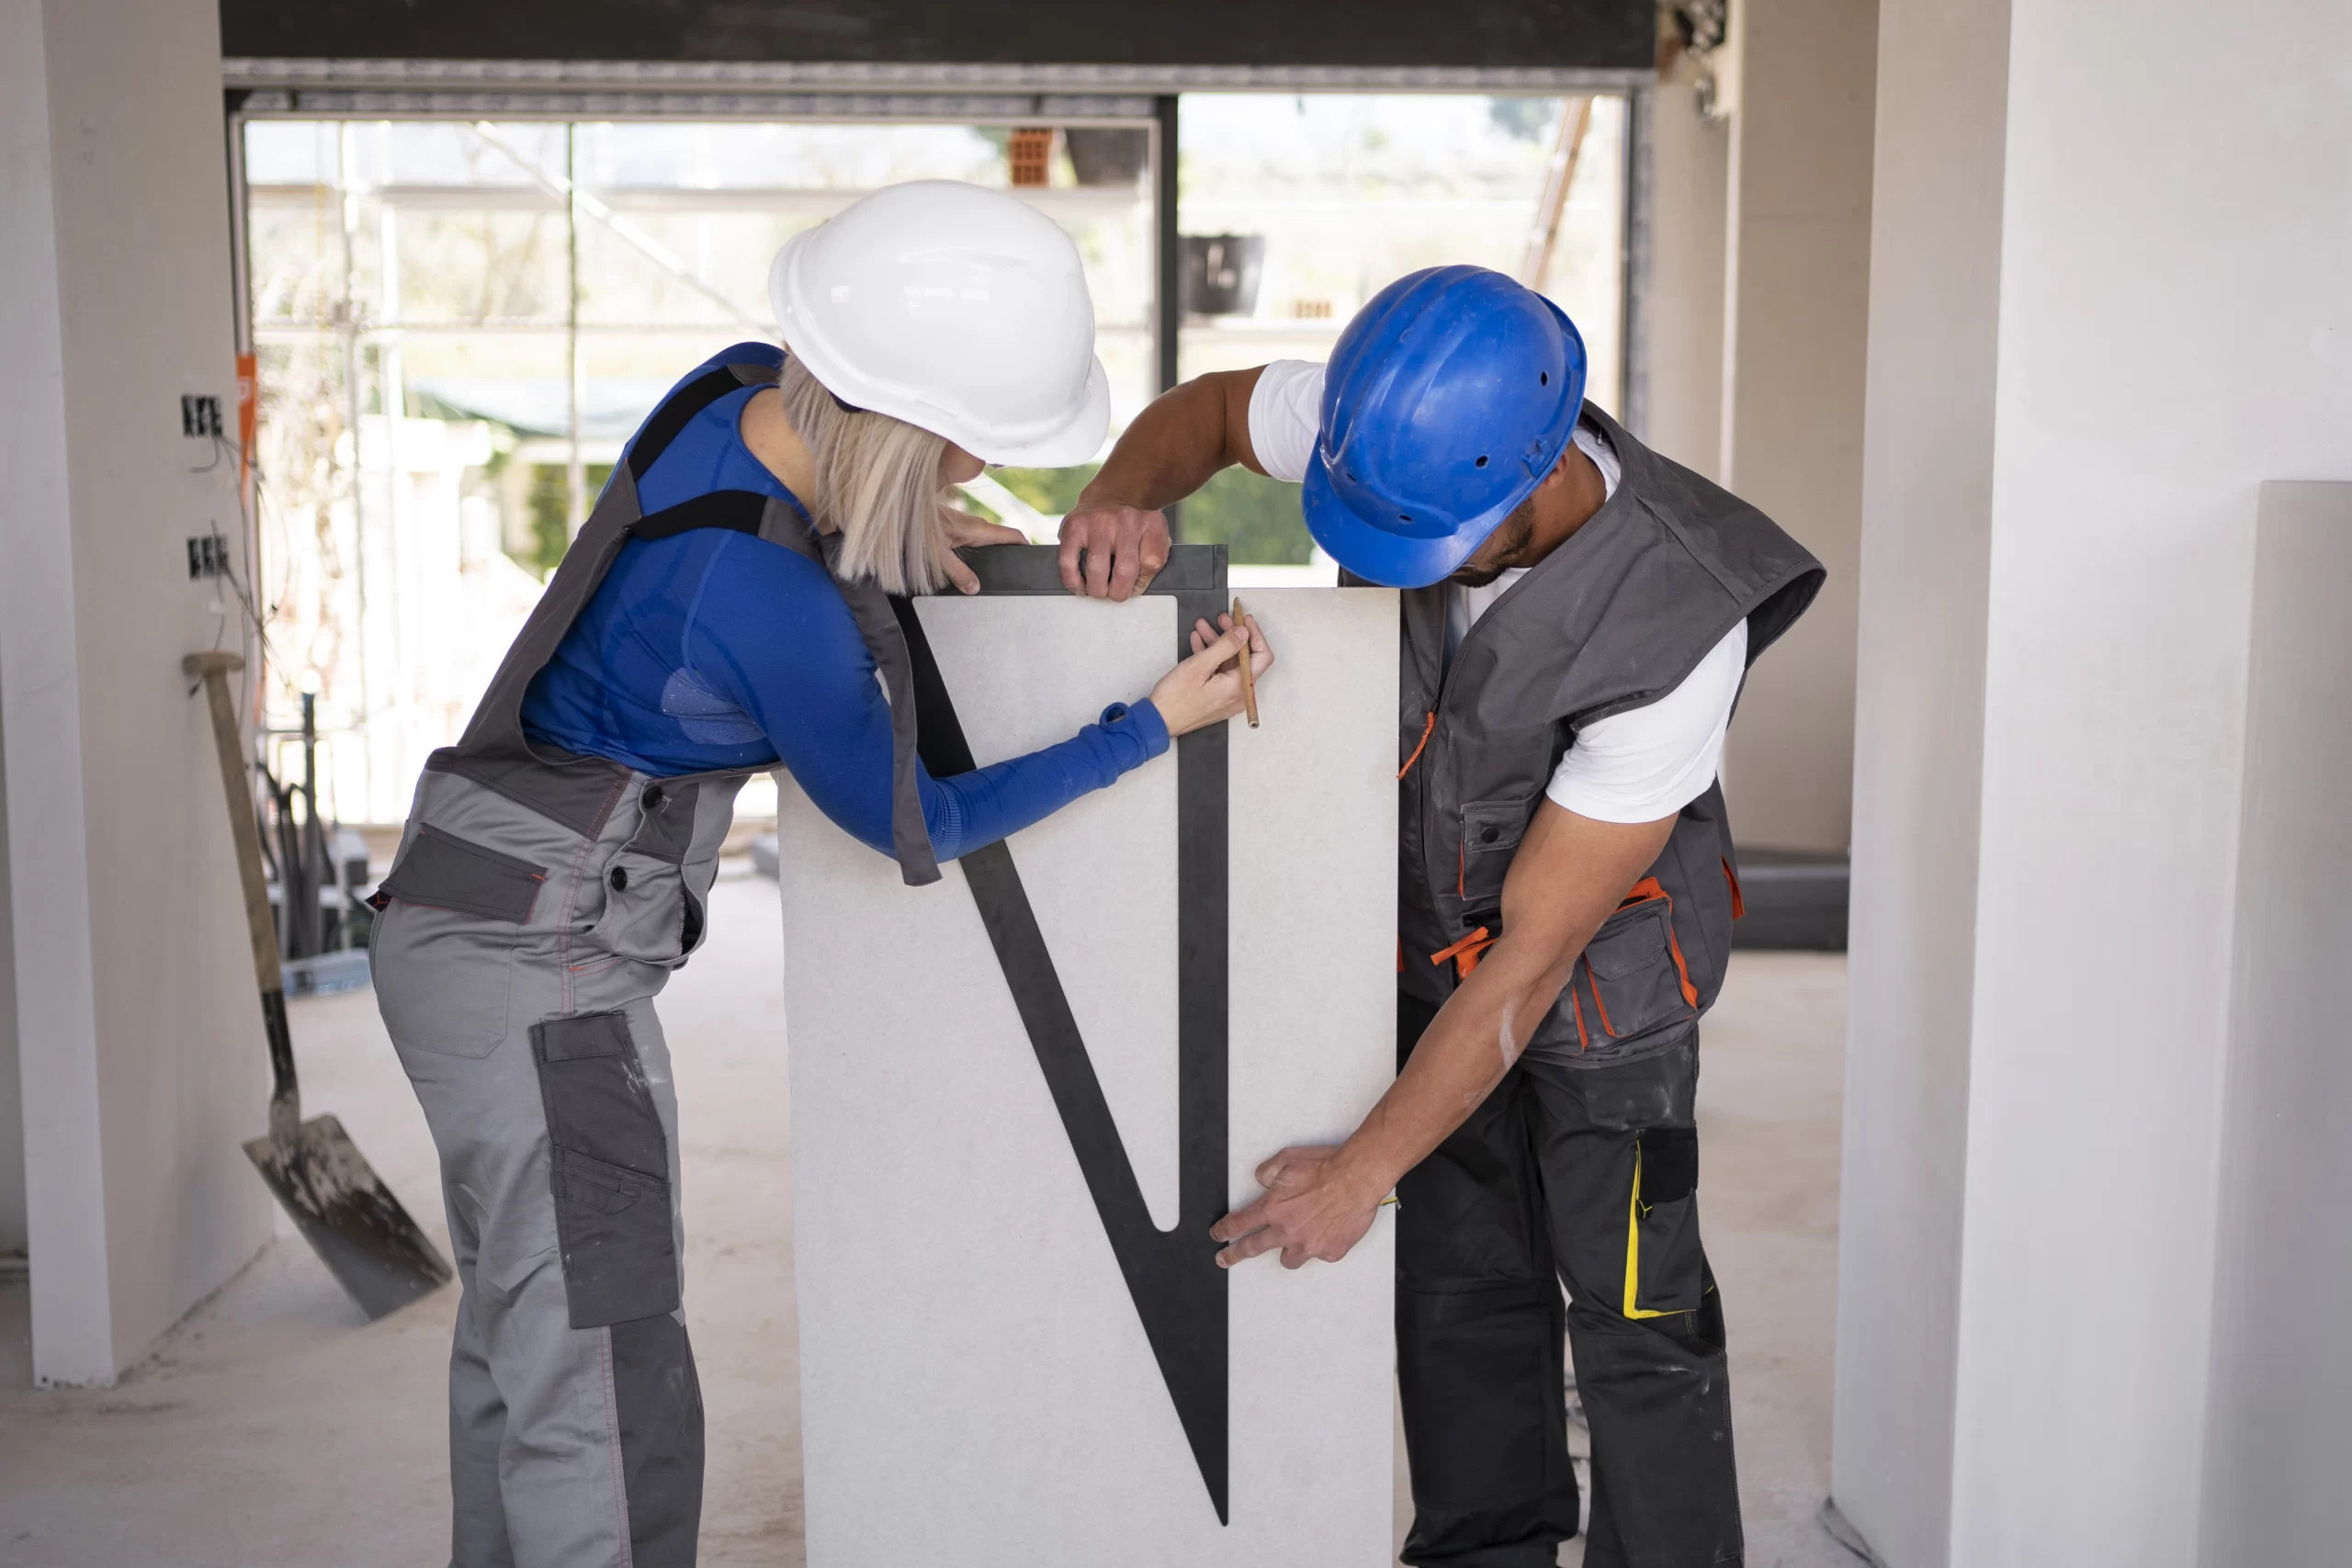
(1636, 766)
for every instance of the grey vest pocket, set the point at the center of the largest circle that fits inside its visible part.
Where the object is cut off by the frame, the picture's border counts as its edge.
(444, 949)
(1491, 830)
(609, 1169)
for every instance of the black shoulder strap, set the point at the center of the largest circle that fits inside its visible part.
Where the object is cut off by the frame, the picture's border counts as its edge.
(673, 414)
(682, 405)
(739, 510)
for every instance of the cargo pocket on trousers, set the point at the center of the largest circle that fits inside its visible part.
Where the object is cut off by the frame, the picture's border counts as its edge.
(647, 911)
(609, 1170)
(442, 944)
(1665, 1265)
(1632, 982)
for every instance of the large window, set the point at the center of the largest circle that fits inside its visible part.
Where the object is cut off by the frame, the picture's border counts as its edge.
(457, 323)
(1329, 197)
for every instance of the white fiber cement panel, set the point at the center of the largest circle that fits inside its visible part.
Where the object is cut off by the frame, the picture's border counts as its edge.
(977, 1387)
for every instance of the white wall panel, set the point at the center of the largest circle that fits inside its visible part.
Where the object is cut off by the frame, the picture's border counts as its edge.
(2276, 1448)
(975, 1385)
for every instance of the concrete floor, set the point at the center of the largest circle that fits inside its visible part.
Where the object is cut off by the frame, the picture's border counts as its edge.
(273, 1427)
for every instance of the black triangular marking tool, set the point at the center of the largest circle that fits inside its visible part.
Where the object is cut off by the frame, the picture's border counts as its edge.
(1179, 1291)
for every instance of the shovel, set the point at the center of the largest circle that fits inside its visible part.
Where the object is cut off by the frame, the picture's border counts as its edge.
(339, 1204)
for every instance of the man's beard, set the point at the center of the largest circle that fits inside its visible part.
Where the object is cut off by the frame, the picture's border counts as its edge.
(1502, 547)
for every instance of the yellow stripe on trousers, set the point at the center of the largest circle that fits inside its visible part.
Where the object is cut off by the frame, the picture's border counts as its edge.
(1634, 1246)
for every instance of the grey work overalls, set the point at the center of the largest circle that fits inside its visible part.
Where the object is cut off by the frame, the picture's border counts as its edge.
(539, 904)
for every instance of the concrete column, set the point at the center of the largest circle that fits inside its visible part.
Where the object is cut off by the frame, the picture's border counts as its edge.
(137, 1029)
(2100, 321)
(1799, 80)
(1690, 162)
(1919, 765)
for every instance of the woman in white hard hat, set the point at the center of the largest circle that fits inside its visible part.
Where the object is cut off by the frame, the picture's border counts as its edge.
(725, 610)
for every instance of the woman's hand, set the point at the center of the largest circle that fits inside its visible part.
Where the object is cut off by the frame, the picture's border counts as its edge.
(1206, 688)
(959, 529)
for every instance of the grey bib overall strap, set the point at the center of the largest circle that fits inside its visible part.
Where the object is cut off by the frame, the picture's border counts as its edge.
(1581, 1168)
(493, 750)
(539, 902)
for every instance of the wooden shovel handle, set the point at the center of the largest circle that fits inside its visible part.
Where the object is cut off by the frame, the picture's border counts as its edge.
(244, 830)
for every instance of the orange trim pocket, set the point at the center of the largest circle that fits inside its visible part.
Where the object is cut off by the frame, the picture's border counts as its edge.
(1681, 970)
(1738, 904)
(1630, 948)
(1650, 888)
(1598, 1005)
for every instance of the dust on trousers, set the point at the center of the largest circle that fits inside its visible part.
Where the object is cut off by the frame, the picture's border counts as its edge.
(515, 962)
(1582, 1172)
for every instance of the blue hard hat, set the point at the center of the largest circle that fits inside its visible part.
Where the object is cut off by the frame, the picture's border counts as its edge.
(1447, 401)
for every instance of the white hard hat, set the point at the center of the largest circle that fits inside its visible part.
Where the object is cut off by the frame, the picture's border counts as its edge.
(957, 309)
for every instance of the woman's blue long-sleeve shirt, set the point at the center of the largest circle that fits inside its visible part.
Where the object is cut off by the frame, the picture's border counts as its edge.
(713, 651)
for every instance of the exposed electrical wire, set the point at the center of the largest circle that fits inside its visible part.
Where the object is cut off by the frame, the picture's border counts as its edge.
(239, 589)
(228, 563)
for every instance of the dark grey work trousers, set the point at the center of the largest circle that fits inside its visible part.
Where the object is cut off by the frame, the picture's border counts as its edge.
(1580, 1172)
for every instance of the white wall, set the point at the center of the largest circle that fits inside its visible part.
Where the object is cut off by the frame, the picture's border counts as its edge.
(1797, 281)
(2277, 1448)
(138, 1032)
(1926, 511)
(2170, 330)
(2176, 328)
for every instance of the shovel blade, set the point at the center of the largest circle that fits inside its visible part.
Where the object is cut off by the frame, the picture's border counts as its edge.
(350, 1218)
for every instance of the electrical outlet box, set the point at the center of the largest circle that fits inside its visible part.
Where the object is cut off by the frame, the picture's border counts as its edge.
(208, 556)
(199, 416)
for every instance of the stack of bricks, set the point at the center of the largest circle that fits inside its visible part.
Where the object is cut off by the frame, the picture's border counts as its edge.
(1030, 153)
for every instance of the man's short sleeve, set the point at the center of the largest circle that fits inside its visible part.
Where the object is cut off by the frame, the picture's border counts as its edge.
(1285, 416)
(1649, 762)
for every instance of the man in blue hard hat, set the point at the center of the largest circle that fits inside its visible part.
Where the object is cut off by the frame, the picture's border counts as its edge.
(1578, 614)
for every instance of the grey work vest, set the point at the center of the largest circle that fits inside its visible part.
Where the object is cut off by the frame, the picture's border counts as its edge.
(578, 791)
(1612, 619)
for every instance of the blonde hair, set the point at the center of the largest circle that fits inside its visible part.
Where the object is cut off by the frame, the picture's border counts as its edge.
(878, 483)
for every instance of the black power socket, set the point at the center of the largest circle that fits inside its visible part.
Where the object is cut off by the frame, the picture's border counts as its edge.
(208, 556)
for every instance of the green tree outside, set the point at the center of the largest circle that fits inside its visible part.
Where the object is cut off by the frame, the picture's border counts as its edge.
(1255, 518)
(551, 499)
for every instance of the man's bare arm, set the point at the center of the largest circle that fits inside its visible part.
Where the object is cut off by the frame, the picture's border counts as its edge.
(1569, 874)
(1171, 449)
